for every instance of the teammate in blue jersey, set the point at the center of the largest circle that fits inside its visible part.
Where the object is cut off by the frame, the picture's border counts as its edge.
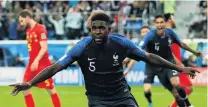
(100, 58)
(159, 42)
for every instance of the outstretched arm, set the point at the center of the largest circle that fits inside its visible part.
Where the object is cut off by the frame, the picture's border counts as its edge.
(138, 54)
(42, 76)
(183, 45)
(186, 47)
(159, 61)
(71, 56)
(46, 73)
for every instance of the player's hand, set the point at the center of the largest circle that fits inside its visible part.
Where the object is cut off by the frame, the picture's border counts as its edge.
(125, 61)
(126, 72)
(199, 54)
(190, 71)
(19, 87)
(34, 65)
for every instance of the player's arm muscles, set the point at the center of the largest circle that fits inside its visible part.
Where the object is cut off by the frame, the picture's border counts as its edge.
(50, 71)
(186, 47)
(159, 61)
(181, 43)
(46, 73)
(72, 55)
(136, 53)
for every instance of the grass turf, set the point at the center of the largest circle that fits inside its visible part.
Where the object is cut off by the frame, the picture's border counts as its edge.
(74, 96)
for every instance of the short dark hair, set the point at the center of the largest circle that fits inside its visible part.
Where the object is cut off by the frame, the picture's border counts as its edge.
(24, 13)
(102, 17)
(159, 16)
(144, 27)
(89, 20)
(167, 16)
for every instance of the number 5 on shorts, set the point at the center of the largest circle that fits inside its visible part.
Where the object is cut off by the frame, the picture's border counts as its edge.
(47, 83)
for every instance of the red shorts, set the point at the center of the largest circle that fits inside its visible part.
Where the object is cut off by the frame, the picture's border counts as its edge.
(29, 75)
(184, 80)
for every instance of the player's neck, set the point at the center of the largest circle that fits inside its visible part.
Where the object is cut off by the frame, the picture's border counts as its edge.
(102, 45)
(160, 33)
(32, 24)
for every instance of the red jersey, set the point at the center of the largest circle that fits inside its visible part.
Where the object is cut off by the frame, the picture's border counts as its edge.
(176, 51)
(183, 78)
(34, 36)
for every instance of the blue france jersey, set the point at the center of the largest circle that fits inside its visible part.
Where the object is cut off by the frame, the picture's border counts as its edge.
(160, 45)
(102, 66)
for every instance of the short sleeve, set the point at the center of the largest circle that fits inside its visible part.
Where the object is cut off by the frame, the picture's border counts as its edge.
(174, 36)
(146, 40)
(42, 33)
(74, 53)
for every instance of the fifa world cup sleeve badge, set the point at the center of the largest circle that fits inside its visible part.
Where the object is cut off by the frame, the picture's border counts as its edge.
(43, 36)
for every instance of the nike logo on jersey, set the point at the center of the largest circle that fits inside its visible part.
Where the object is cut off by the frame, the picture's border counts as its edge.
(90, 59)
(125, 90)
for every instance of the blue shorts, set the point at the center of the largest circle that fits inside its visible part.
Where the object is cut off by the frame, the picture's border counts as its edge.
(123, 102)
(164, 77)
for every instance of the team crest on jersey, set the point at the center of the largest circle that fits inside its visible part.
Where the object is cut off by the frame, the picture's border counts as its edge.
(169, 42)
(115, 58)
(43, 36)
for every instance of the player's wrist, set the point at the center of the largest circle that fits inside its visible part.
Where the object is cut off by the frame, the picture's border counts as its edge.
(180, 69)
(30, 84)
(195, 52)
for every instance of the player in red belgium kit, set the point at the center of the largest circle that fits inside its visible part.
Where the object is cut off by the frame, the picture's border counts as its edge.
(36, 36)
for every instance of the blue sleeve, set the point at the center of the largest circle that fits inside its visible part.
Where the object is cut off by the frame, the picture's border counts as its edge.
(146, 39)
(133, 51)
(74, 53)
(174, 36)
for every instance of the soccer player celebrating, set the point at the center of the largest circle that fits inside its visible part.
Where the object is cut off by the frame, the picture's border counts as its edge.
(36, 36)
(184, 79)
(159, 41)
(100, 57)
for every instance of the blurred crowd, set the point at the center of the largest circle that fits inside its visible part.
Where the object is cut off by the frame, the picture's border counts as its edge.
(198, 28)
(67, 19)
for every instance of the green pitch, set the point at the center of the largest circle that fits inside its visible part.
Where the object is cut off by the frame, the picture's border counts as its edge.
(73, 96)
